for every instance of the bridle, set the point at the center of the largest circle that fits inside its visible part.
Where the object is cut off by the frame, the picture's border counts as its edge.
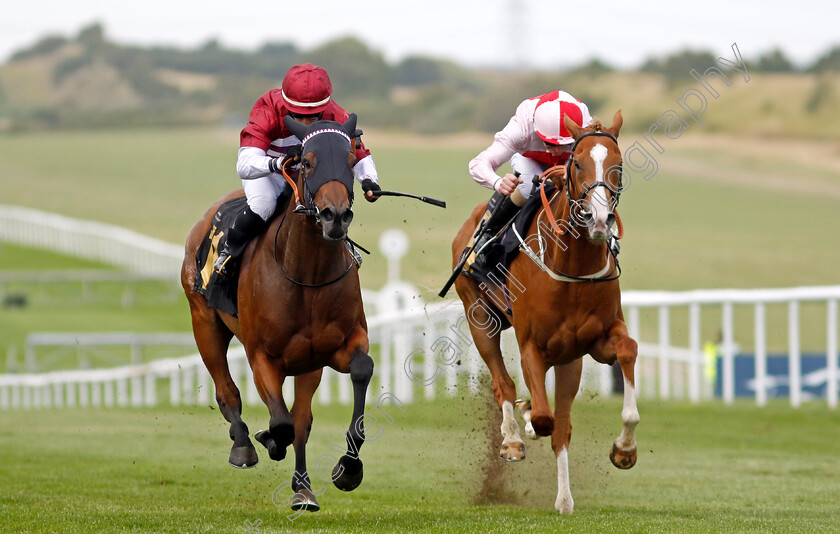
(606, 274)
(576, 203)
(305, 203)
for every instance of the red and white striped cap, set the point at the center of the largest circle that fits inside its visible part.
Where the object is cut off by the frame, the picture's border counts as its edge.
(550, 113)
(306, 89)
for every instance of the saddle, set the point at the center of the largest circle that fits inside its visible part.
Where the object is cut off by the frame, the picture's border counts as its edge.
(505, 249)
(220, 291)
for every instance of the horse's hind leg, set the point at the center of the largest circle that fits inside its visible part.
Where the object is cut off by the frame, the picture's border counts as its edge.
(212, 338)
(567, 382)
(348, 472)
(488, 345)
(305, 494)
(269, 382)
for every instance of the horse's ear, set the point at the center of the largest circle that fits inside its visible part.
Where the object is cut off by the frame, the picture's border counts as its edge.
(349, 126)
(571, 126)
(618, 120)
(300, 130)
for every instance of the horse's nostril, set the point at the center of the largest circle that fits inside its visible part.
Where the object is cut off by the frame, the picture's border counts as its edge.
(327, 214)
(347, 216)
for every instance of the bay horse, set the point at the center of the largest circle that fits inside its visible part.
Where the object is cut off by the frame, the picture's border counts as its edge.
(299, 310)
(568, 304)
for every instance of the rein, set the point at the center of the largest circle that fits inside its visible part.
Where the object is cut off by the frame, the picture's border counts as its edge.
(301, 209)
(292, 280)
(604, 275)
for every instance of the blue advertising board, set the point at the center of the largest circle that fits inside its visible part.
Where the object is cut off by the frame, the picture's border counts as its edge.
(814, 374)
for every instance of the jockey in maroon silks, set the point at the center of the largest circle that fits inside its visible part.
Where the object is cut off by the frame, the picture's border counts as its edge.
(534, 139)
(306, 96)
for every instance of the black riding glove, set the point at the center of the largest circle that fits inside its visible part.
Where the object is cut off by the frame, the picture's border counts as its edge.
(292, 153)
(369, 185)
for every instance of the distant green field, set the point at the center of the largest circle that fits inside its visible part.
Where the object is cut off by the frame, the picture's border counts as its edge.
(708, 468)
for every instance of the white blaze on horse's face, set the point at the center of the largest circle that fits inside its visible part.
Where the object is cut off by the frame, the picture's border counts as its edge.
(598, 203)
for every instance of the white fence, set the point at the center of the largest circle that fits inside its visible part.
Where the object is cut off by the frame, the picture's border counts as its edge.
(424, 351)
(92, 240)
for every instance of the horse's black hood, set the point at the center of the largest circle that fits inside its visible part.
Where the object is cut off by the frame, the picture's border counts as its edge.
(331, 143)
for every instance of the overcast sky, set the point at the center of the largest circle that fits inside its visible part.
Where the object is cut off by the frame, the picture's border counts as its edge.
(542, 33)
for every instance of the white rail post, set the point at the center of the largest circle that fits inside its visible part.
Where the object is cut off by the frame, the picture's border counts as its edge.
(697, 363)
(324, 393)
(84, 394)
(108, 386)
(402, 350)
(831, 354)
(122, 391)
(385, 368)
(728, 355)
(58, 394)
(174, 387)
(96, 394)
(150, 393)
(760, 355)
(71, 393)
(794, 365)
(664, 344)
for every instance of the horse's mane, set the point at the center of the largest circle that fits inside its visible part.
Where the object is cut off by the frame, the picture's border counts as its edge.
(596, 125)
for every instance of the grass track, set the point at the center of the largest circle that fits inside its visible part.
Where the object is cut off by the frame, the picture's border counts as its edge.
(703, 468)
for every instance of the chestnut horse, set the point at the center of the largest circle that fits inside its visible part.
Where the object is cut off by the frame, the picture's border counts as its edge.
(299, 310)
(564, 301)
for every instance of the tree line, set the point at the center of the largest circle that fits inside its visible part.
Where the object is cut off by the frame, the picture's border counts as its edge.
(423, 94)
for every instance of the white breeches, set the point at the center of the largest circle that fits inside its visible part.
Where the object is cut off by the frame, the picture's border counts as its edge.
(527, 168)
(262, 194)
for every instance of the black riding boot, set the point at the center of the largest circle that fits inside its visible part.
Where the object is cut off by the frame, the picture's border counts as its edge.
(246, 226)
(502, 211)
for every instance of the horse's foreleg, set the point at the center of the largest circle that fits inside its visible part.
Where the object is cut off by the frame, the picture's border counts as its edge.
(281, 427)
(347, 474)
(567, 382)
(533, 368)
(623, 454)
(305, 494)
(212, 339)
(617, 345)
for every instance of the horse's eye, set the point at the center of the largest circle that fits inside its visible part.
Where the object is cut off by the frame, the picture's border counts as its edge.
(306, 164)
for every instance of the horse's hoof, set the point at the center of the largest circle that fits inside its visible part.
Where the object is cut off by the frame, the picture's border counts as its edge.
(623, 459)
(243, 457)
(305, 500)
(347, 473)
(564, 504)
(274, 452)
(513, 451)
(529, 431)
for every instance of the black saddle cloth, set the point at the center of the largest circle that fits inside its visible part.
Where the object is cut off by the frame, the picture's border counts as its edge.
(220, 291)
(504, 250)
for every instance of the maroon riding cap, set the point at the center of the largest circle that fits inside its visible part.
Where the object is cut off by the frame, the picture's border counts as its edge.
(306, 89)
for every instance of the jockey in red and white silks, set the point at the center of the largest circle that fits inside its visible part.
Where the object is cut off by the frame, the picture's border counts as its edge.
(534, 139)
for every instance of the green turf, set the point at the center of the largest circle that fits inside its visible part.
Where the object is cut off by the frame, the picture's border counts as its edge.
(704, 468)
